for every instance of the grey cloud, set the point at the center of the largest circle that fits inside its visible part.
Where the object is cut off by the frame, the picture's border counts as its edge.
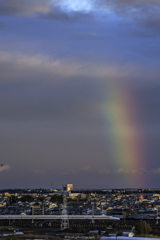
(139, 171)
(47, 83)
(57, 13)
(17, 67)
(130, 171)
(23, 7)
(146, 12)
(34, 65)
(4, 168)
(38, 8)
(51, 101)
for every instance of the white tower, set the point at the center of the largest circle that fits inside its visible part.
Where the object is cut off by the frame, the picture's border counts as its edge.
(65, 219)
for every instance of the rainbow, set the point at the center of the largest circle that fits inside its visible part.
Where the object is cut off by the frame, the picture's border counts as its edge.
(124, 137)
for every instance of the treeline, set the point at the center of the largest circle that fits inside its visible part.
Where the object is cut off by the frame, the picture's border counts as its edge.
(29, 198)
(143, 228)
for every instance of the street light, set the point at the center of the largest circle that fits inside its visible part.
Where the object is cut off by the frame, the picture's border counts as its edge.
(116, 234)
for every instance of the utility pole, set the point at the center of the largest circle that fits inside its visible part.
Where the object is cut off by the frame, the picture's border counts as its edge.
(32, 214)
(93, 221)
(43, 209)
(124, 215)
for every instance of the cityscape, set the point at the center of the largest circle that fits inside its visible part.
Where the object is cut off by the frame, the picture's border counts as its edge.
(79, 119)
(85, 211)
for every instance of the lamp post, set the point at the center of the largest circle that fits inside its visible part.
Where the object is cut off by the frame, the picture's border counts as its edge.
(116, 234)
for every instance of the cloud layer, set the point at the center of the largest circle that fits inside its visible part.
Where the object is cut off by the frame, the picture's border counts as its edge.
(28, 8)
(42, 65)
(144, 12)
(62, 64)
(4, 168)
(22, 68)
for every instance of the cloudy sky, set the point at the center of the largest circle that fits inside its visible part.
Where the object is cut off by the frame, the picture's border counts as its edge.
(79, 93)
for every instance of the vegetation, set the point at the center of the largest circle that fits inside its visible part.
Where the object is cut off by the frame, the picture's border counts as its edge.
(129, 212)
(36, 204)
(74, 204)
(40, 199)
(106, 233)
(27, 198)
(13, 199)
(120, 233)
(56, 198)
(143, 228)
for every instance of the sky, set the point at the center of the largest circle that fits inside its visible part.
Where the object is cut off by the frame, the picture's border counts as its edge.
(79, 93)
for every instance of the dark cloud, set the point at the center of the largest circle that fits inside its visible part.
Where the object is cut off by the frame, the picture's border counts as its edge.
(55, 80)
(46, 9)
(23, 7)
(56, 13)
(4, 168)
(144, 12)
(56, 133)
(17, 67)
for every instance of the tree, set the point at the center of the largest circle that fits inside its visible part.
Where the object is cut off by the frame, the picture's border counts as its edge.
(120, 233)
(40, 199)
(27, 198)
(143, 228)
(130, 212)
(13, 199)
(36, 204)
(56, 198)
(106, 233)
